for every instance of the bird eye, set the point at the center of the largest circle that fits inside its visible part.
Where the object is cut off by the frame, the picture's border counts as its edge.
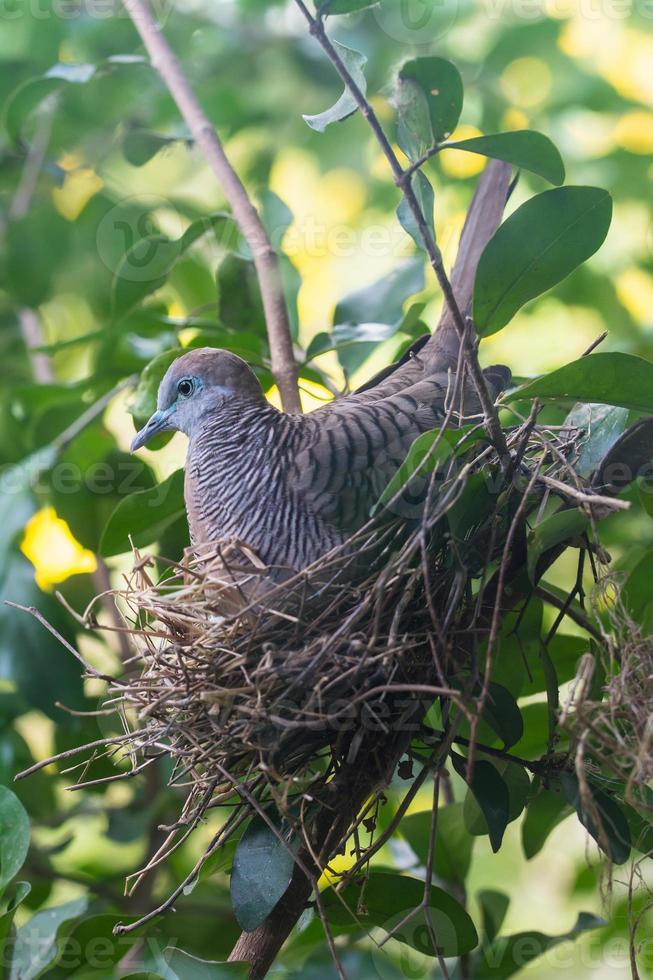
(185, 387)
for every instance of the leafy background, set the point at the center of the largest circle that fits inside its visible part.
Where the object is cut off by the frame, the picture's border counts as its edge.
(108, 261)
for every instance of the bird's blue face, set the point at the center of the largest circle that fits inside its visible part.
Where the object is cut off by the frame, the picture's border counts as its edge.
(176, 408)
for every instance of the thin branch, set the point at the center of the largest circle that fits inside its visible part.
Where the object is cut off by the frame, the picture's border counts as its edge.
(402, 179)
(265, 258)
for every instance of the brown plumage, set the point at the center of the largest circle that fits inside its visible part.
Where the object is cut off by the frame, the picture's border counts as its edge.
(293, 487)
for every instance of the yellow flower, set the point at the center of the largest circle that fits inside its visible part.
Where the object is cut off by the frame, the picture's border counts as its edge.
(78, 188)
(53, 551)
(634, 132)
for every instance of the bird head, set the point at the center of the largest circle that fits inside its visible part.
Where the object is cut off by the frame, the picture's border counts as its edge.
(197, 383)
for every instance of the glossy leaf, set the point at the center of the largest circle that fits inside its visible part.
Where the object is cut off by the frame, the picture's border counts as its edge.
(491, 794)
(346, 105)
(144, 516)
(494, 906)
(14, 836)
(602, 817)
(429, 99)
(501, 712)
(538, 246)
(611, 378)
(516, 781)
(426, 200)
(629, 457)
(523, 148)
(183, 966)
(262, 869)
(385, 900)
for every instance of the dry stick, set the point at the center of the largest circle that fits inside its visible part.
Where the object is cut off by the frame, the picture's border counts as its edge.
(403, 180)
(265, 258)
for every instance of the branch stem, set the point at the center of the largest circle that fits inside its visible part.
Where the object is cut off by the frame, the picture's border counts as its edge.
(266, 261)
(403, 180)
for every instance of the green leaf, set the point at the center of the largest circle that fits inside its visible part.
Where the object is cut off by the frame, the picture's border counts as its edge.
(384, 899)
(636, 592)
(611, 378)
(140, 145)
(426, 200)
(424, 456)
(144, 515)
(429, 99)
(508, 955)
(145, 266)
(453, 853)
(32, 93)
(501, 712)
(36, 942)
(491, 794)
(538, 246)
(357, 317)
(602, 818)
(628, 458)
(16, 897)
(32, 658)
(523, 148)
(183, 966)
(518, 785)
(346, 105)
(543, 813)
(565, 526)
(143, 403)
(494, 906)
(14, 836)
(601, 426)
(262, 870)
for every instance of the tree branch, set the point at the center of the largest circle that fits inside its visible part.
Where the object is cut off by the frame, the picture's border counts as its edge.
(245, 214)
(403, 180)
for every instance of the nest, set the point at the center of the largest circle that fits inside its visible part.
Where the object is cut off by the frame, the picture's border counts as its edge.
(262, 690)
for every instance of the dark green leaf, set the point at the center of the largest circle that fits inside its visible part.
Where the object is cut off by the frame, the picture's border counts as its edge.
(517, 783)
(602, 818)
(535, 248)
(426, 200)
(139, 146)
(346, 105)
(144, 516)
(502, 714)
(183, 966)
(453, 853)
(543, 813)
(611, 378)
(490, 793)
(636, 592)
(510, 954)
(14, 836)
(386, 898)
(433, 84)
(523, 148)
(263, 866)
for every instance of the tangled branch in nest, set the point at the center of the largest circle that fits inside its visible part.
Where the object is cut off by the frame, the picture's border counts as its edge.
(265, 690)
(610, 712)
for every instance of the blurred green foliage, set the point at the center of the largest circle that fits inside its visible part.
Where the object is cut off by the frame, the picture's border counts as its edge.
(116, 248)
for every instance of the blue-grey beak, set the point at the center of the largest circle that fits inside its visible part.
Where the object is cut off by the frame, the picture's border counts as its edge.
(159, 422)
